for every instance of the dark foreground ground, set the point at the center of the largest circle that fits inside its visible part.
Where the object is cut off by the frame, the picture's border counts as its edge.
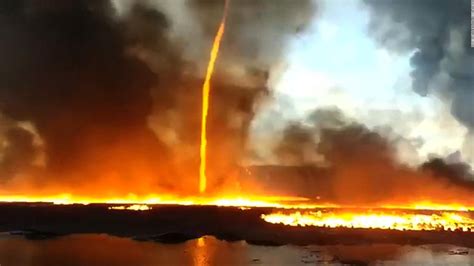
(175, 224)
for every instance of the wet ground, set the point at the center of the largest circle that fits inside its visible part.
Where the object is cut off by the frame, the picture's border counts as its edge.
(101, 249)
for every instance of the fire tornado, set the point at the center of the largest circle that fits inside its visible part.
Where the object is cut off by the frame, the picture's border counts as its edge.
(206, 88)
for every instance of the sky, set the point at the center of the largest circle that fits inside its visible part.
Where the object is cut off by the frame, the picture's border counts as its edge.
(336, 63)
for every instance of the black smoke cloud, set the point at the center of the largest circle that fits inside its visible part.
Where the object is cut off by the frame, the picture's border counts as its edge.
(439, 33)
(66, 70)
(93, 83)
(356, 165)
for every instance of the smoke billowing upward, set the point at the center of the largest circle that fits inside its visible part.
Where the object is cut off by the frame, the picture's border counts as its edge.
(258, 30)
(65, 70)
(115, 98)
(443, 62)
(361, 165)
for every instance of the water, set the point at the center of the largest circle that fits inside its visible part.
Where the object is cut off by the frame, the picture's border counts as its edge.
(107, 250)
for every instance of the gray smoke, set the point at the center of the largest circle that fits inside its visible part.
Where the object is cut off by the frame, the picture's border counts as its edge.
(258, 30)
(439, 33)
(358, 162)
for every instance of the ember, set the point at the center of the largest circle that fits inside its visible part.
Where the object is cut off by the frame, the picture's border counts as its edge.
(135, 207)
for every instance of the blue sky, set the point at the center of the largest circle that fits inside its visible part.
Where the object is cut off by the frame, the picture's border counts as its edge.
(336, 63)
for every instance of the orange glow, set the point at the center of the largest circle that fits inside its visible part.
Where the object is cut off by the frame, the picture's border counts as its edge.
(225, 200)
(381, 219)
(206, 88)
(426, 205)
(201, 252)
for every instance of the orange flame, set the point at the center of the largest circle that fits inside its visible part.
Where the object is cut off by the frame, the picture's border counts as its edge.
(228, 200)
(206, 88)
(382, 219)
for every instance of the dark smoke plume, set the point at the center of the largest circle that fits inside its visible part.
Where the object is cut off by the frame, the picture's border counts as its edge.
(439, 33)
(65, 69)
(361, 165)
(114, 98)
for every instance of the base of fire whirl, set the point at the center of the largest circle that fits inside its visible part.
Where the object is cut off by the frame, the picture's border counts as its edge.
(173, 223)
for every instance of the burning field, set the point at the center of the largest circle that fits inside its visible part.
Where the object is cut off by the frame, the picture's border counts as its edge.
(167, 120)
(395, 220)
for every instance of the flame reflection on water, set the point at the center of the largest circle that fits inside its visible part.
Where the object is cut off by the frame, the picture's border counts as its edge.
(92, 250)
